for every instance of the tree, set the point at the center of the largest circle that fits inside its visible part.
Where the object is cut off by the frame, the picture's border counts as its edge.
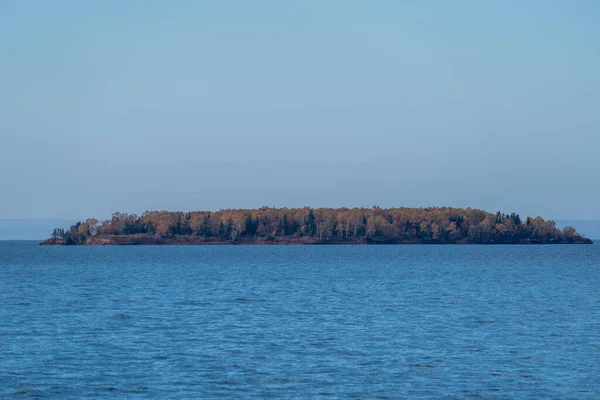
(394, 225)
(251, 225)
(311, 227)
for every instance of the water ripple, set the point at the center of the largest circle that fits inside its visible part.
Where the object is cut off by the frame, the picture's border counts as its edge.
(388, 322)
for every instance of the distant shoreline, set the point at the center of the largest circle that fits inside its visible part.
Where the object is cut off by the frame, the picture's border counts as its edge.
(131, 240)
(267, 226)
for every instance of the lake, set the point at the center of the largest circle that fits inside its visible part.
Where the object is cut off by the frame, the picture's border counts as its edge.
(415, 321)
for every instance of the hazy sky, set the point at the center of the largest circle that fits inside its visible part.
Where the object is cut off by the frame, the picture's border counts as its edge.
(134, 105)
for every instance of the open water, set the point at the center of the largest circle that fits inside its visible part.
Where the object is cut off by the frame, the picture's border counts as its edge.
(419, 322)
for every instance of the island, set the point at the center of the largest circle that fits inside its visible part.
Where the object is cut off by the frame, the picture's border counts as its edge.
(266, 225)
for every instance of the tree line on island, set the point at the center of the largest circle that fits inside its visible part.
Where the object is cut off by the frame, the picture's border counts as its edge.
(317, 226)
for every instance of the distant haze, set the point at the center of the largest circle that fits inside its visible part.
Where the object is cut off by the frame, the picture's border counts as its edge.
(189, 105)
(30, 229)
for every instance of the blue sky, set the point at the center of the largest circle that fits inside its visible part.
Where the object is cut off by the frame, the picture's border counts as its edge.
(184, 105)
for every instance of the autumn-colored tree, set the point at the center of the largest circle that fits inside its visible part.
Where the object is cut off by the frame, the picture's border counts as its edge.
(356, 225)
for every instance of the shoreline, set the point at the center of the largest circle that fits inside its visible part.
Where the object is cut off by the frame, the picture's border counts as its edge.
(268, 226)
(147, 240)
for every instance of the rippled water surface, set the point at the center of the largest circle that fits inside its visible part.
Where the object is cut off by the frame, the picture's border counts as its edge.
(300, 321)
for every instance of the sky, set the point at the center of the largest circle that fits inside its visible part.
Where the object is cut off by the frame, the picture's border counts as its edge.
(134, 105)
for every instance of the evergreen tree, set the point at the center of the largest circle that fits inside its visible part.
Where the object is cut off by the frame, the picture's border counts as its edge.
(311, 227)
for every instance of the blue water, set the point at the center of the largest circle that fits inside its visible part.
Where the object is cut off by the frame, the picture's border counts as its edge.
(490, 322)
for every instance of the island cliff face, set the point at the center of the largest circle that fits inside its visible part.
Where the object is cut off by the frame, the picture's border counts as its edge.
(432, 225)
